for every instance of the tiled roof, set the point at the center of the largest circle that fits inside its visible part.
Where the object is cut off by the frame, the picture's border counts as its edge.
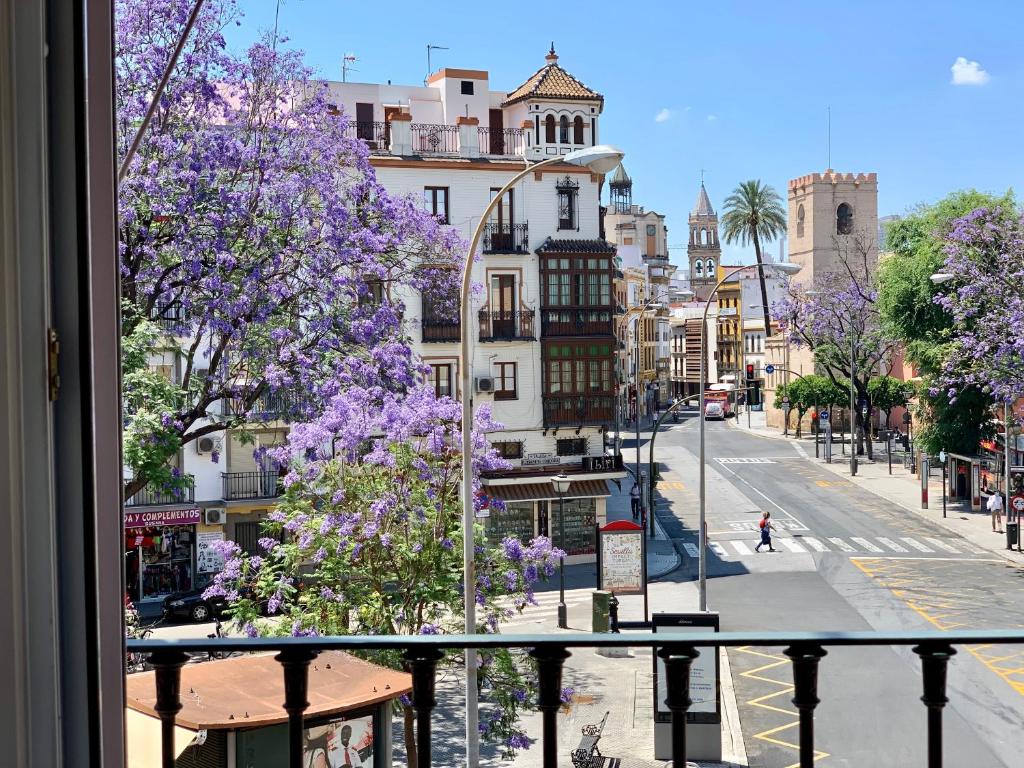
(620, 176)
(552, 82)
(575, 246)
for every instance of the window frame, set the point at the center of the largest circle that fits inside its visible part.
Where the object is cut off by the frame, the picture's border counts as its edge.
(430, 198)
(500, 447)
(571, 446)
(434, 380)
(502, 377)
(463, 85)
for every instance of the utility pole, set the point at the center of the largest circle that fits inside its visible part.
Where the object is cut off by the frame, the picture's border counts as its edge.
(853, 405)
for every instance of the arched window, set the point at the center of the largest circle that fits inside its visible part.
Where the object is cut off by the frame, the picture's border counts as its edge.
(800, 220)
(703, 239)
(711, 267)
(577, 130)
(844, 219)
(698, 266)
(549, 129)
(563, 130)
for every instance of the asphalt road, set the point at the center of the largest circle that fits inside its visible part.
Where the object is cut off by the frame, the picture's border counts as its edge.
(846, 560)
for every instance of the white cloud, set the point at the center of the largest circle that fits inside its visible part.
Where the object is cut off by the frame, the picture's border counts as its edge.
(968, 72)
(712, 118)
(663, 115)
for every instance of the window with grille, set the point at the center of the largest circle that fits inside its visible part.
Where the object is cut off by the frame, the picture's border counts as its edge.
(508, 449)
(572, 446)
(568, 190)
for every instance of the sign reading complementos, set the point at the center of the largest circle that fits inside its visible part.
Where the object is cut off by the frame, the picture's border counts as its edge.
(156, 517)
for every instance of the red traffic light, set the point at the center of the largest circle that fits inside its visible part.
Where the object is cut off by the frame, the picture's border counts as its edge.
(750, 370)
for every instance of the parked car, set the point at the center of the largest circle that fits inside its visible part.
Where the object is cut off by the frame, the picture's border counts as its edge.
(192, 606)
(714, 410)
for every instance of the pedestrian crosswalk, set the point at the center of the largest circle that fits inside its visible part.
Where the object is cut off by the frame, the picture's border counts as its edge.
(878, 545)
(544, 610)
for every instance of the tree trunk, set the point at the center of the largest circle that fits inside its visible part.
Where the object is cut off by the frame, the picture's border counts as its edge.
(867, 434)
(131, 487)
(408, 719)
(799, 424)
(764, 290)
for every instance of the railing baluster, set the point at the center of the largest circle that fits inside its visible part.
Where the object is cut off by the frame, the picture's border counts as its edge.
(423, 664)
(295, 662)
(934, 660)
(678, 659)
(549, 697)
(805, 660)
(168, 666)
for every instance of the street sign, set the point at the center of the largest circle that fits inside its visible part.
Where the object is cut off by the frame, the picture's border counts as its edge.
(769, 369)
(1018, 504)
(823, 416)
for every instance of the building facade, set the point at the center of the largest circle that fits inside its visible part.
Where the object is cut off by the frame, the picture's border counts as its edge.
(703, 251)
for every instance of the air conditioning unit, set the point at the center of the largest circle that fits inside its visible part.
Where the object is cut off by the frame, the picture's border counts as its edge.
(208, 444)
(484, 383)
(215, 516)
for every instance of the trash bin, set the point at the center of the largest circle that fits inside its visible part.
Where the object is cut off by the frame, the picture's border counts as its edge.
(601, 617)
(1012, 535)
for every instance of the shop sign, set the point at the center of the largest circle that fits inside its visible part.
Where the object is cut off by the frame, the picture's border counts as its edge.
(622, 559)
(208, 556)
(539, 459)
(159, 517)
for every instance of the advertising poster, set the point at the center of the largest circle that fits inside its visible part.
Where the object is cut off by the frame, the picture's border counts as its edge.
(703, 669)
(622, 562)
(208, 559)
(342, 743)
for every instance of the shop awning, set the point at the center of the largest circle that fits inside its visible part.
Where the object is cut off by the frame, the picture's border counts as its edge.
(580, 489)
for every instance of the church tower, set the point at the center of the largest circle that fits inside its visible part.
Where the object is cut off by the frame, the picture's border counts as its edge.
(704, 251)
(620, 191)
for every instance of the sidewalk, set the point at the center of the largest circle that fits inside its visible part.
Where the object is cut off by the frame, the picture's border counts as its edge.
(662, 557)
(904, 489)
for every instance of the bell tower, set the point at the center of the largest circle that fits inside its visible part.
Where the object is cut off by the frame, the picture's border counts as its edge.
(704, 251)
(620, 191)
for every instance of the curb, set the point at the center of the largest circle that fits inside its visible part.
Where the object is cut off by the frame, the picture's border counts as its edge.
(734, 750)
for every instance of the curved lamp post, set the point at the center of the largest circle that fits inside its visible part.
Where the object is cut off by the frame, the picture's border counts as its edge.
(787, 268)
(561, 481)
(601, 159)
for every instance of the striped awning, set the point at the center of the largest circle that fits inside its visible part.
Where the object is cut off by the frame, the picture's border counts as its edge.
(579, 489)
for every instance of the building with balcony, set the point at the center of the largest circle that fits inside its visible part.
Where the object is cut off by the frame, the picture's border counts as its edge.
(543, 344)
(684, 370)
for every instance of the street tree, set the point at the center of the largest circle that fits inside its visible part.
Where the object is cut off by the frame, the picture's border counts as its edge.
(754, 213)
(888, 392)
(838, 320)
(916, 250)
(259, 257)
(368, 540)
(811, 392)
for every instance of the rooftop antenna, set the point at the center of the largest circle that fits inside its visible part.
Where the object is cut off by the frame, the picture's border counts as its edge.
(346, 66)
(430, 48)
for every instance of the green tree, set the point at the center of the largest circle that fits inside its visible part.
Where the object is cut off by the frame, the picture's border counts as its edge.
(888, 392)
(906, 300)
(752, 213)
(812, 391)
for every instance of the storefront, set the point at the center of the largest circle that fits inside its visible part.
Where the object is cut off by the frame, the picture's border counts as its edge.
(532, 509)
(160, 552)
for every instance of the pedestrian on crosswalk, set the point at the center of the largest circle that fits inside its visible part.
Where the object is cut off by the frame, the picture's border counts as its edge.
(766, 532)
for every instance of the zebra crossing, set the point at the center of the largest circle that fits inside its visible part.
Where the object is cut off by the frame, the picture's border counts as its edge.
(546, 608)
(851, 545)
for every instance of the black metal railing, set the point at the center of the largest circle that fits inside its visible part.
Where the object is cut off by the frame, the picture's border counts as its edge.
(376, 134)
(269, 405)
(566, 410)
(805, 650)
(430, 139)
(251, 485)
(169, 316)
(440, 329)
(576, 322)
(505, 325)
(149, 496)
(501, 237)
(502, 141)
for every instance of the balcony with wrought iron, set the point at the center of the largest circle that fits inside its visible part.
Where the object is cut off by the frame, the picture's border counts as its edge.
(503, 142)
(576, 322)
(376, 134)
(506, 325)
(574, 410)
(267, 406)
(502, 237)
(440, 330)
(432, 139)
(169, 316)
(155, 496)
(251, 485)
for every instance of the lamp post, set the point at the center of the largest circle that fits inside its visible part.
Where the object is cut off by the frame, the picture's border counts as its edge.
(600, 159)
(561, 482)
(787, 268)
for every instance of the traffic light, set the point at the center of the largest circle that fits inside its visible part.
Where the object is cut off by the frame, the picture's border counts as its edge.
(750, 371)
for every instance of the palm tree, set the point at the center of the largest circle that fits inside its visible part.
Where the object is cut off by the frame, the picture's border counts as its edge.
(754, 212)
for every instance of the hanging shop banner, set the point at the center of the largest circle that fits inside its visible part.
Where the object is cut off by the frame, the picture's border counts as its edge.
(160, 517)
(621, 558)
(208, 556)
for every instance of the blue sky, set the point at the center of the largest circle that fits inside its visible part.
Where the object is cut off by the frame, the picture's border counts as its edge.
(742, 87)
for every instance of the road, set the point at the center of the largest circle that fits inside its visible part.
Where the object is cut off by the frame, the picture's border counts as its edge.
(846, 560)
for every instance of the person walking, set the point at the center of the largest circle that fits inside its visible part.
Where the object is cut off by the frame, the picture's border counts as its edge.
(634, 498)
(995, 506)
(766, 532)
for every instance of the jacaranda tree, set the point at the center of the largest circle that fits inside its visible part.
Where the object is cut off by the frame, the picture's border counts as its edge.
(259, 256)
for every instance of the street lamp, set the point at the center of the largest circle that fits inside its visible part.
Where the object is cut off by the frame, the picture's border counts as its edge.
(786, 268)
(600, 159)
(561, 482)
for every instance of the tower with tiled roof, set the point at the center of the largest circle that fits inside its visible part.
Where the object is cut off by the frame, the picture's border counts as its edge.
(703, 250)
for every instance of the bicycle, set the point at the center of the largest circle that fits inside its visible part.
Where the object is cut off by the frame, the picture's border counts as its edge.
(137, 662)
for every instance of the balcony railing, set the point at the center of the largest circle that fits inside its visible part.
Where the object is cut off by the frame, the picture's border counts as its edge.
(502, 141)
(434, 139)
(169, 316)
(506, 325)
(440, 329)
(805, 651)
(565, 410)
(269, 405)
(576, 322)
(506, 238)
(149, 496)
(251, 485)
(376, 134)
